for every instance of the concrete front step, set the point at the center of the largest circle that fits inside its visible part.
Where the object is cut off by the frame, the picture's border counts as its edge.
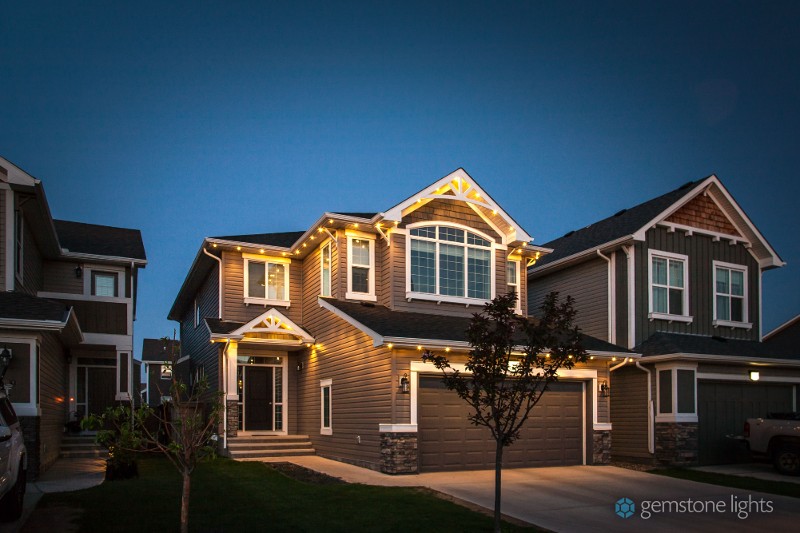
(244, 446)
(255, 447)
(268, 454)
(99, 452)
(269, 438)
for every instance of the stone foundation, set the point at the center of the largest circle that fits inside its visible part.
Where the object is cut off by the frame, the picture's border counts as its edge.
(232, 422)
(601, 447)
(399, 453)
(676, 443)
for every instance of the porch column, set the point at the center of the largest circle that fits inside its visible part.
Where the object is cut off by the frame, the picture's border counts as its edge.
(231, 390)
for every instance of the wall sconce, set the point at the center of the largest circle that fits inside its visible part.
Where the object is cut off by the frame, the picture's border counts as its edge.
(5, 361)
(300, 366)
(78, 272)
(604, 389)
(754, 375)
(405, 384)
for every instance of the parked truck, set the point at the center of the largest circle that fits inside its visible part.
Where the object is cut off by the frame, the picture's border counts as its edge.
(776, 438)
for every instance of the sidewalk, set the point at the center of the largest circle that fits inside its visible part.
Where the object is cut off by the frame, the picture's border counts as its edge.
(65, 475)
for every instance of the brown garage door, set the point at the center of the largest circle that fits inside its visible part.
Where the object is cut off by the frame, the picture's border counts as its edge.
(552, 436)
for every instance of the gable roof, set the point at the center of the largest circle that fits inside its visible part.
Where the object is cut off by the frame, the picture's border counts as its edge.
(661, 344)
(270, 322)
(401, 327)
(283, 239)
(93, 239)
(157, 350)
(631, 224)
(785, 337)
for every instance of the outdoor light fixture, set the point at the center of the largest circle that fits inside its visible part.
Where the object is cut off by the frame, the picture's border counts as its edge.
(300, 366)
(78, 272)
(5, 360)
(604, 389)
(754, 375)
(404, 384)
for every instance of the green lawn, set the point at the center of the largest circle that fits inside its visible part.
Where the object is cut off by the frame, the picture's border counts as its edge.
(241, 497)
(781, 488)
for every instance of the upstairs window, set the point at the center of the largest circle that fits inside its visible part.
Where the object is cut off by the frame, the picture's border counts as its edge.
(266, 280)
(669, 295)
(361, 266)
(325, 267)
(730, 295)
(105, 284)
(512, 280)
(450, 262)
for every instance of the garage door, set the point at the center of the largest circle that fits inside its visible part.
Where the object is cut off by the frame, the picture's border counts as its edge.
(722, 409)
(552, 436)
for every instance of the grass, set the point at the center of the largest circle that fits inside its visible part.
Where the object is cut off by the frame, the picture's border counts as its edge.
(781, 488)
(234, 496)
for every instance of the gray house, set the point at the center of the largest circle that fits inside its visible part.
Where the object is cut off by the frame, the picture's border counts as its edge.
(676, 279)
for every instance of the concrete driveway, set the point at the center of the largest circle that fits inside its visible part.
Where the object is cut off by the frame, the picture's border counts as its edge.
(582, 498)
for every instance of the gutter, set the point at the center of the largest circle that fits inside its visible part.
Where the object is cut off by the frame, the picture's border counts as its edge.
(219, 282)
(650, 410)
(611, 314)
(103, 258)
(739, 359)
(577, 256)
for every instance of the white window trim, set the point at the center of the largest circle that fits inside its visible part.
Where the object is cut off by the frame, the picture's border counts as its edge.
(674, 415)
(686, 317)
(329, 245)
(196, 313)
(465, 300)
(19, 245)
(31, 406)
(105, 269)
(323, 384)
(516, 263)
(745, 324)
(247, 258)
(350, 295)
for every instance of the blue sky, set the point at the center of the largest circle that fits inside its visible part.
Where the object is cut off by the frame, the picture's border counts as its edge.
(213, 118)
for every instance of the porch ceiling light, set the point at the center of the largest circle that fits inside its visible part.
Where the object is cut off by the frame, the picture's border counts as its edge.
(754, 375)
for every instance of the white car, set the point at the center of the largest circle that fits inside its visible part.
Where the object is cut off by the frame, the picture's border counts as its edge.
(13, 462)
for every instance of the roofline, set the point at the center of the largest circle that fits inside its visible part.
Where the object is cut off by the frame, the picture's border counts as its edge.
(197, 258)
(377, 339)
(721, 358)
(780, 328)
(141, 263)
(577, 256)
(22, 323)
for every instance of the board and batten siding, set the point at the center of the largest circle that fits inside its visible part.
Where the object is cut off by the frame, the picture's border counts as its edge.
(702, 251)
(53, 405)
(195, 341)
(629, 412)
(59, 276)
(621, 297)
(587, 283)
(5, 196)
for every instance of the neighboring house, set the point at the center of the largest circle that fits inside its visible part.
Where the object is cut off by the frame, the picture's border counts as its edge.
(678, 280)
(320, 332)
(786, 336)
(67, 305)
(157, 357)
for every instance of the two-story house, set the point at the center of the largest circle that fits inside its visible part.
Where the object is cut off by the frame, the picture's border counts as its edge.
(677, 279)
(319, 334)
(67, 306)
(158, 358)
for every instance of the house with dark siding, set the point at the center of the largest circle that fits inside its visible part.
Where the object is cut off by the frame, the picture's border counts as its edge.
(67, 307)
(159, 357)
(677, 279)
(316, 336)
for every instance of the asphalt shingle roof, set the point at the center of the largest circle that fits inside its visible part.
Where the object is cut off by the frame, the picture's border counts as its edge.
(621, 224)
(284, 239)
(356, 215)
(388, 323)
(100, 240)
(223, 327)
(158, 349)
(674, 343)
(21, 306)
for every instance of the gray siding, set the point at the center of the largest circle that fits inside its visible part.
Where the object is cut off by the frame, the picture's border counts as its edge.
(195, 341)
(621, 297)
(32, 263)
(629, 414)
(702, 251)
(587, 283)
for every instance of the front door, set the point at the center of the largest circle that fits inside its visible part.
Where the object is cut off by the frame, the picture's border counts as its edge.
(258, 398)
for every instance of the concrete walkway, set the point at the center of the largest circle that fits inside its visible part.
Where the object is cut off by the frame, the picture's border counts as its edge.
(582, 498)
(65, 475)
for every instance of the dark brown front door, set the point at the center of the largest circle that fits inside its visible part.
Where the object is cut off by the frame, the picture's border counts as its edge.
(102, 389)
(258, 398)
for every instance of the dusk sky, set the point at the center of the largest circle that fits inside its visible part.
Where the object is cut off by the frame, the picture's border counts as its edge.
(198, 119)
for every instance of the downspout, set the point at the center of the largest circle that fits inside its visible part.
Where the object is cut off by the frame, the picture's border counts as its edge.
(610, 315)
(224, 352)
(650, 427)
(219, 282)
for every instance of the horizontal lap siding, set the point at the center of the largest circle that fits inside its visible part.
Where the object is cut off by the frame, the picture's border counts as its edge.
(195, 341)
(32, 263)
(629, 413)
(702, 251)
(60, 277)
(53, 404)
(621, 298)
(587, 283)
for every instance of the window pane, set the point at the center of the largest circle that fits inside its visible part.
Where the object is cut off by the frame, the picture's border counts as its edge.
(476, 240)
(325, 290)
(722, 280)
(360, 252)
(511, 272)
(256, 285)
(423, 266)
(277, 281)
(104, 284)
(723, 307)
(478, 273)
(737, 283)
(676, 301)
(737, 309)
(659, 300)
(664, 391)
(451, 234)
(451, 270)
(360, 279)
(427, 231)
(659, 270)
(326, 407)
(686, 391)
(675, 273)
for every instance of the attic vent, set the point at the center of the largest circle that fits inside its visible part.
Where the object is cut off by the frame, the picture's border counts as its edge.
(568, 233)
(618, 213)
(686, 185)
(719, 339)
(368, 304)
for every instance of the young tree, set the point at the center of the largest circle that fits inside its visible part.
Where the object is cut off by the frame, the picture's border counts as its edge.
(512, 362)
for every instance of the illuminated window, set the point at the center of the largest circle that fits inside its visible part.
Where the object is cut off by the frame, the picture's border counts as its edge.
(512, 280)
(325, 266)
(361, 267)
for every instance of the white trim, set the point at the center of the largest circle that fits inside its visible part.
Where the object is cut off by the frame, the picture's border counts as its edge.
(370, 239)
(602, 426)
(724, 358)
(377, 339)
(9, 264)
(275, 325)
(742, 377)
(104, 269)
(325, 384)
(19, 323)
(745, 298)
(19, 226)
(674, 415)
(463, 300)
(266, 260)
(671, 318)
(33, 394)
(585, 444)
(684, 259)
(83, 297)
(631, 293)
(323, 245)
(120, 342)
(691, 230)
(760, 297)
(518, 269)
(783, 326)
(397, 428)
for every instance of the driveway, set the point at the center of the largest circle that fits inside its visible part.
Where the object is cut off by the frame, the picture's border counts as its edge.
(582, 498)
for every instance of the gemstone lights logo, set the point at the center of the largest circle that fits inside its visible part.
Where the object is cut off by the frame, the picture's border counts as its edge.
(625, 508)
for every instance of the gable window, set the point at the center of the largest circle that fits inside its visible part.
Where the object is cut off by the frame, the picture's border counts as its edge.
(512, 280)
(266, 280)
(361, 266)
(326, 425)
(325, 268)
(105, 283)
(18, 243)
(677, 393)
(450, 262)
(730, 295)
(669, 294)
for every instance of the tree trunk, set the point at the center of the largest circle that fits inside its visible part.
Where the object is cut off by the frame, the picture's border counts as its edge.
(187, 485)
(498, 470)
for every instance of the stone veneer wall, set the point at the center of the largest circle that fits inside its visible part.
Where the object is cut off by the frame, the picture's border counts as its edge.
(676, 443)
(399, 453)
(30, 426)
(232, 423)
(601, 447)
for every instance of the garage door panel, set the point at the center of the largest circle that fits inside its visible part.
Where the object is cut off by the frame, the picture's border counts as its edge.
(553, 435)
